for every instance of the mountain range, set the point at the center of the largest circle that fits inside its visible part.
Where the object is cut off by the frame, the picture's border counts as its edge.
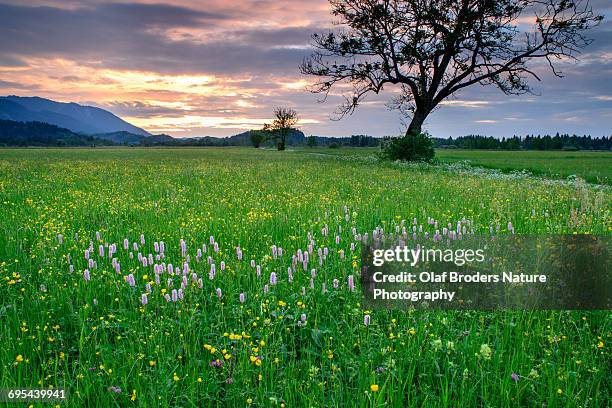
(36, 121)
(87, 120)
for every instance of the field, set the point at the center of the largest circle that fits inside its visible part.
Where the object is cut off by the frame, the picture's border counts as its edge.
(594, 167)
(112, 322)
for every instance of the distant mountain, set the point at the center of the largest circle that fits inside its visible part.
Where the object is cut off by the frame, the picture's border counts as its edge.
(43, 134)
(127, 138)
(294, 138)
(72, 116)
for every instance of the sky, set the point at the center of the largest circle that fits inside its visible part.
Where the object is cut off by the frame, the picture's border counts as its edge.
(219, 67)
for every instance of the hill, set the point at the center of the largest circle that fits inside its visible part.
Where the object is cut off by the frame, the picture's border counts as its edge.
(14, 133)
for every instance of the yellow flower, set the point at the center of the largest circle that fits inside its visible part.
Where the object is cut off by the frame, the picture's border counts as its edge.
(600, 345)
(199, 379)
(19, 358)
(152, 363)
(374, 387)
(176, 377)
(559, 391)
(133, 397)
(227, 356)
(485, 351)
(249, 401)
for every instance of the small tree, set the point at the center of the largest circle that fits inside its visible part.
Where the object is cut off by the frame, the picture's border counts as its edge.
(286, 119)
(258, 137)
(312, 141)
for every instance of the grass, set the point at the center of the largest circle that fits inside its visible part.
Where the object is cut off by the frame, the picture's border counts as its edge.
(284, 346)
(594, 167)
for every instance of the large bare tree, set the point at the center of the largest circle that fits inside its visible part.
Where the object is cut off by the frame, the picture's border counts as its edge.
(430, 49)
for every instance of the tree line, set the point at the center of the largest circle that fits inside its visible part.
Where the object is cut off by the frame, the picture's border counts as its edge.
(529, 142)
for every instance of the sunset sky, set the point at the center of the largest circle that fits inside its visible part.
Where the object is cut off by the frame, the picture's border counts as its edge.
(216, 68)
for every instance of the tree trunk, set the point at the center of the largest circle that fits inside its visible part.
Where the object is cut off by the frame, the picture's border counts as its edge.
(417, 122)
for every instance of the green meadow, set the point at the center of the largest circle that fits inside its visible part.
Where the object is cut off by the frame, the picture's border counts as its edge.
(178, 277)
(594, 167)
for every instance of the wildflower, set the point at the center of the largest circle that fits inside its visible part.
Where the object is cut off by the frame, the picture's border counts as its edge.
(143, 299)
(242, 298)
(273, 278)
(133, 397)
(366, 320)
(176, 377)
(86, 275)
(600, 345)
(374, 388)
(219, 293)
(351, 283)
(514, 376)
(559, 391)
(152, 363)
(19, 358)
(114, 389)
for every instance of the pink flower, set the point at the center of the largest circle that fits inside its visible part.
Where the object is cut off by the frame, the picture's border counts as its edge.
(273, 278)
(143, 299)
(514, 376)
(351, 283)
(242, 298)
(86, 275)
(366, 320)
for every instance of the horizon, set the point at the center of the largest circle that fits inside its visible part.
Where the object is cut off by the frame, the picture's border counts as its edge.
(203, 69)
